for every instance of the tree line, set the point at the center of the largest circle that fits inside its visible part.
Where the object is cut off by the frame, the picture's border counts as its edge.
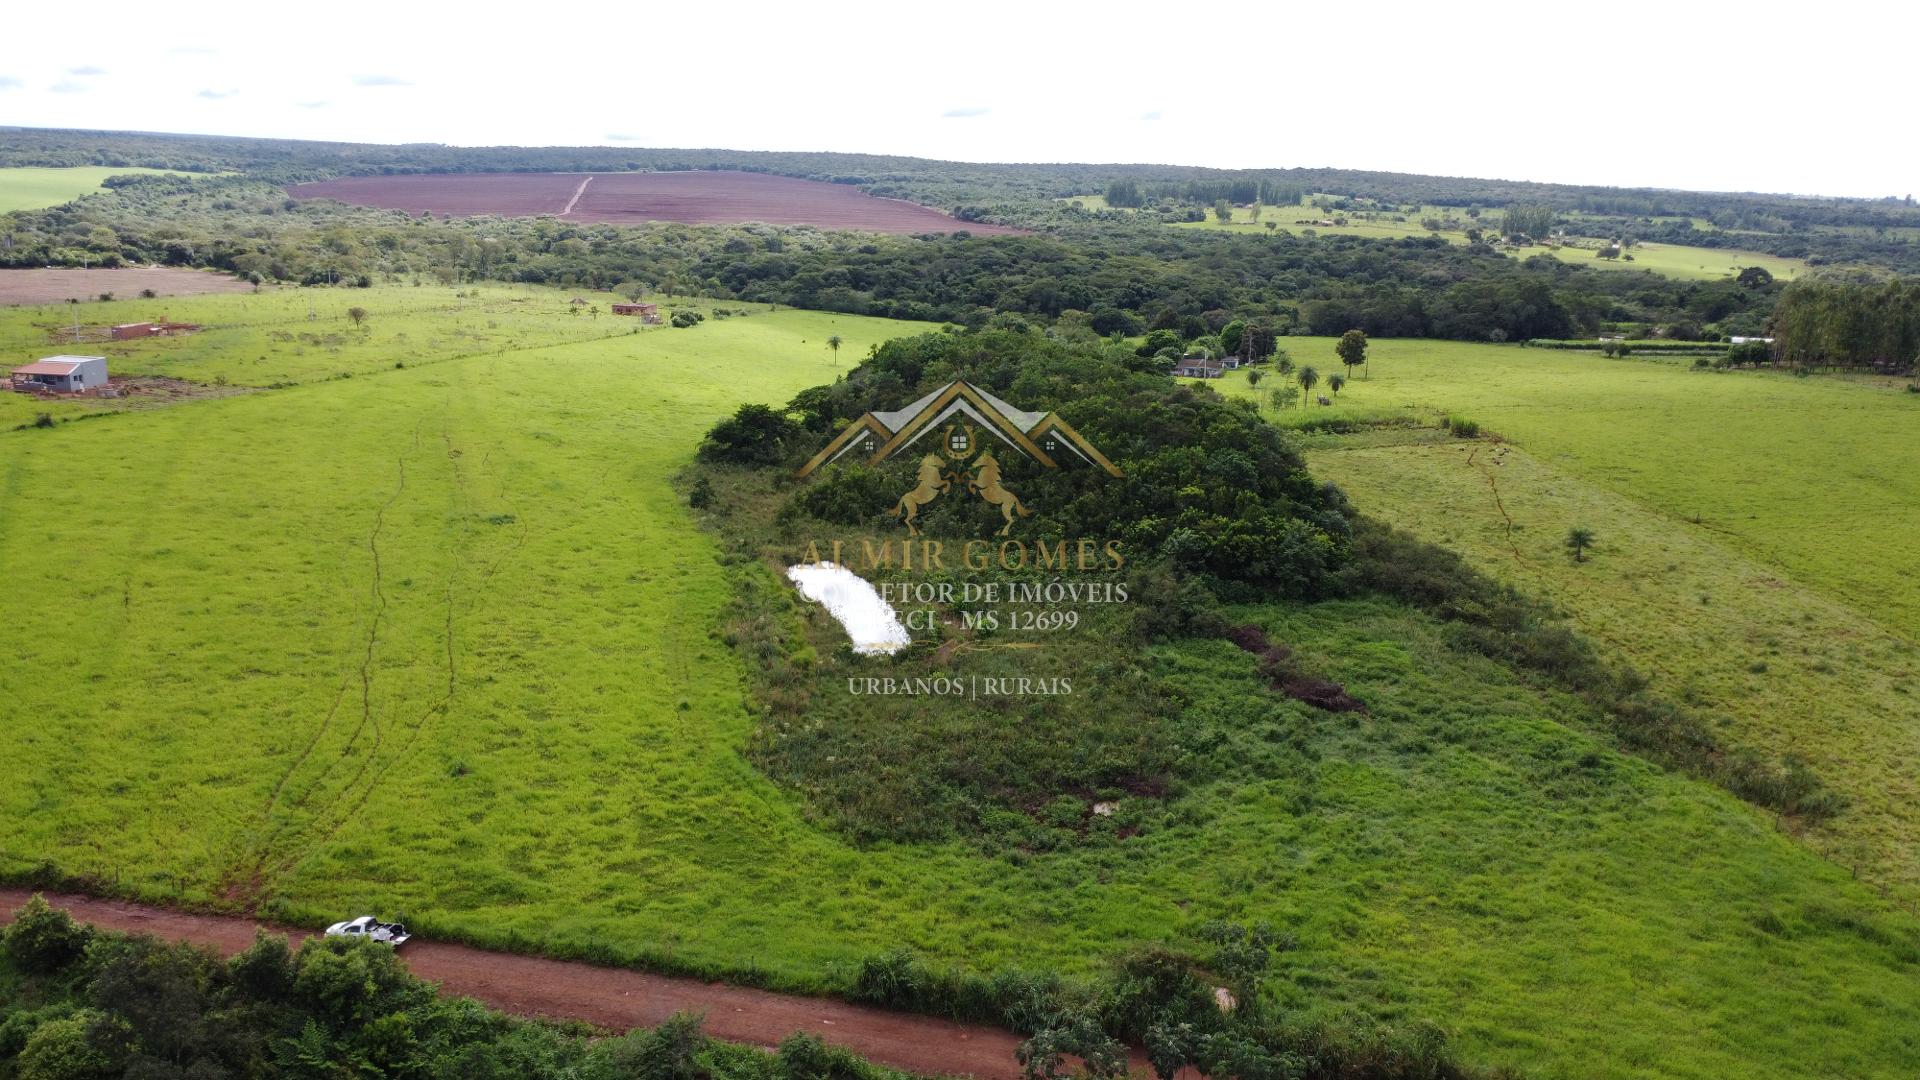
(1125, 277)
(1825, 229)
(1833, 323)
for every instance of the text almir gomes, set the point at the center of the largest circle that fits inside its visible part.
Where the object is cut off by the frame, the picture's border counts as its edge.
(1082, 554)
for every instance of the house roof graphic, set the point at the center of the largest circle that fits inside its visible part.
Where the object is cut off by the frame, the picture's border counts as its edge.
(1043, 437)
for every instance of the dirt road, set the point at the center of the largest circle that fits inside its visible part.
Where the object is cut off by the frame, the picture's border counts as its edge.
(577, 192)
(610, 998)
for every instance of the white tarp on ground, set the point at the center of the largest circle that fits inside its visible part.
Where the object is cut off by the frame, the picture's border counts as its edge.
(870, 622)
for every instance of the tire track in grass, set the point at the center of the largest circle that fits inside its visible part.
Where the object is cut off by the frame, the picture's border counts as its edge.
(255, 882)
(462, 511)
(1493, 485)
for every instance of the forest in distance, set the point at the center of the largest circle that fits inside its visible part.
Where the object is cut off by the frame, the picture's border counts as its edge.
(1882, 233)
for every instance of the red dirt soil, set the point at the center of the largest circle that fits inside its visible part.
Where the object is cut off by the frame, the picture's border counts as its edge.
(56, 286)
(697, 198)
(614, 999)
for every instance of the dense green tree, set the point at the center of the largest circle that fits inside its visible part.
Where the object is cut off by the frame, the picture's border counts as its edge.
(753, 435)
(1533, 221)
(1352, 349)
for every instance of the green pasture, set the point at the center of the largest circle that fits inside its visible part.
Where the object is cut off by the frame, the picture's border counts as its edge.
(1808, 475)
(443, 642)
(1304, 218)
(1671, 260)
(280, 336)
(1721, 501)
(1676, 260)
(33, 188)
(1778, 664)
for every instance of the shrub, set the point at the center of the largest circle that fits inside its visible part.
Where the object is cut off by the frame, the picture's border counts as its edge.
(83, 1046)
(804, 1056)
(685, 318)
(847, 495)
(43, 420)
(753, 435)
(43, 939)
(671, 1051)
(1461, 427)
(701, 496)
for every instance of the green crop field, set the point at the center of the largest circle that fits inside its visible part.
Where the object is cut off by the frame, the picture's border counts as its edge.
(32, 188)
(444, 641)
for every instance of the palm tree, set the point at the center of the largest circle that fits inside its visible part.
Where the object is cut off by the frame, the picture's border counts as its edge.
(1335, 382)
(1253, 378)
(1309, 379)
(834, 344)
(1579, 539)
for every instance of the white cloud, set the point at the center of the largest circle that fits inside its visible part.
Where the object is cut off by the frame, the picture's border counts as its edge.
(86, 69)
(966, 112)
(217, 95)
(8, 82)
(1479, 88)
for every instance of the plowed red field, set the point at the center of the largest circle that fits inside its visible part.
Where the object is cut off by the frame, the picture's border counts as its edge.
(698, 198)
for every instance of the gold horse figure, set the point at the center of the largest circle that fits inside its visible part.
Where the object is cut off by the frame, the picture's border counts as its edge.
(986, 481)
(931, 485)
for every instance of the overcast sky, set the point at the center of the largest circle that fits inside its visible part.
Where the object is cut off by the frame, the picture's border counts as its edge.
(1812, 98)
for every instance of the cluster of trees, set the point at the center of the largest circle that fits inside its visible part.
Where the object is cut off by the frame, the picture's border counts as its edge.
(1207, 484)
(1847, 324)
(80, 1005)
(1533, 221)
(1128, 191)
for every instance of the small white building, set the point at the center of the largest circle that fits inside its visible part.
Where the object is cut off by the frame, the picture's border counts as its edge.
(63, 374)
(1198, 368)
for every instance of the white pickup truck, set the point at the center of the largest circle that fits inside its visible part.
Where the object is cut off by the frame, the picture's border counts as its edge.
(392, 933)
